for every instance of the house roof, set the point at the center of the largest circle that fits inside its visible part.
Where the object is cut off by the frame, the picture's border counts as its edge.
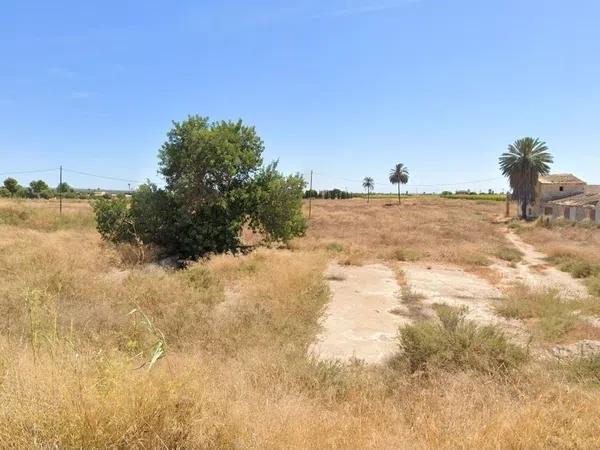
(578, 200)
(560, 178)
(592, 189)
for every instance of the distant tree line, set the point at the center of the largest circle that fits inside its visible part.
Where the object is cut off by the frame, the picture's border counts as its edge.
(333, 194)
(39, 189)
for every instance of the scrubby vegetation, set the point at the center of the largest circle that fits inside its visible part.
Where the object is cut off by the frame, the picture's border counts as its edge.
(552, 317)
(229, 339)
(455, 343)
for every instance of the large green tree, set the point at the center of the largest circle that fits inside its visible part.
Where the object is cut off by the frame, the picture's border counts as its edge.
(399, 176)
(523, 163)
(214, 185)
(12, 186)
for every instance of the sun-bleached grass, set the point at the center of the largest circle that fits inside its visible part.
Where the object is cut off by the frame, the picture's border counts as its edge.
(74, 369)
(427, 229)
(43, 214)
(552, 318)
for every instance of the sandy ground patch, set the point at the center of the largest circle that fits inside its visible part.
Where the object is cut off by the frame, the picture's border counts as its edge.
(534, 271)
(358, 322)
(452, 286)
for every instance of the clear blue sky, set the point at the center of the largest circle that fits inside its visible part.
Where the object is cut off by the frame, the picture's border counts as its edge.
(344, 87)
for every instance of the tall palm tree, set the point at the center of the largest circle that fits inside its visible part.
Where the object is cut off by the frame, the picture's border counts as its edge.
(525, 160)
(368, 184)
(399, 175)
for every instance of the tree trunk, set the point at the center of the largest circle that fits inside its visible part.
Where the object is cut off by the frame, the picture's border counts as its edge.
(523, 210)
(399, 193)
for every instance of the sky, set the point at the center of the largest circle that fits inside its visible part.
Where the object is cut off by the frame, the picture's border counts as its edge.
(346, 88)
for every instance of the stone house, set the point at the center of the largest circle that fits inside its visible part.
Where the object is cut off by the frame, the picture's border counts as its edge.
(565, 196)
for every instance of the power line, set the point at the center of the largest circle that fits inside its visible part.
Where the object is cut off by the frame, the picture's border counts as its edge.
(102, 176)
(24, 172)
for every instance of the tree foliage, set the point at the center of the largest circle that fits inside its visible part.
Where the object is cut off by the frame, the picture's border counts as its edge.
(523, 163)
(12, 186)
(398, 176)
(277, 209)
(369, 185)
(214, 185)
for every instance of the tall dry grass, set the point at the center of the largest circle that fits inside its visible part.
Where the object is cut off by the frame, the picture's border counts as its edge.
(74, 369)
(460, 232)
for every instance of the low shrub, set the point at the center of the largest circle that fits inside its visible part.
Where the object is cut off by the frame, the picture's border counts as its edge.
(577, 267)
(593, 285)
(334, 247)
(405, 254)
(553, 316)
(454, 343)
(509, 254)
(583, 370)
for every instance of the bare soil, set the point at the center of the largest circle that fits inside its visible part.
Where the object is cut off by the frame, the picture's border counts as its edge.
(362, 318)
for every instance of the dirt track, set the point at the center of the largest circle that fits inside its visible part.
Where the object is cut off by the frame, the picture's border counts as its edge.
(366, 307)
(533, 271)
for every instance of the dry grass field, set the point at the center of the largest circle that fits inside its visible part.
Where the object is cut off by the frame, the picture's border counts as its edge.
(80, 324)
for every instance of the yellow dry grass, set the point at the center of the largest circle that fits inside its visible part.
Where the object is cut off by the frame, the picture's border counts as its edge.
(431, 229)
(73, 362)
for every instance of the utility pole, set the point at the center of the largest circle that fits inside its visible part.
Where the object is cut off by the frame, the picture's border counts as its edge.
(60, 188)
(310, 193)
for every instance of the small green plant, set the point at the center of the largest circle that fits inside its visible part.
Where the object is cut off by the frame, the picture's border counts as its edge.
(585, 369)
(454, 343)
(334, 247)
(516, 226)
(593, 285)
(577, 267)
(405, 254)
(509, 254)
(158, 348)
(554, 317)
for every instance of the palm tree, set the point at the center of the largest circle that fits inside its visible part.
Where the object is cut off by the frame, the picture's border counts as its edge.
(368, 184)
(399, 175)
(525, 160)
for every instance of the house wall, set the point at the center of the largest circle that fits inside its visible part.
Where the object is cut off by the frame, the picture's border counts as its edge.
(553, 191)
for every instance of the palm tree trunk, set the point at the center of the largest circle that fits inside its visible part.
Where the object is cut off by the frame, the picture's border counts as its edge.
(523, 209)
(399, 193)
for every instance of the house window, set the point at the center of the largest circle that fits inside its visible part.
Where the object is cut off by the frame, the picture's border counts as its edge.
(561, 188)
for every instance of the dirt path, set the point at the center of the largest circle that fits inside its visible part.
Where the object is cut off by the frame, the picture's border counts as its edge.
(358, 322)
(534, 271)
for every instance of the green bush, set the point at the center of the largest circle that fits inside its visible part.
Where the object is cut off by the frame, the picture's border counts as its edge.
(277, 209)
(455, 343)
(214, 186)
(114, 221)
